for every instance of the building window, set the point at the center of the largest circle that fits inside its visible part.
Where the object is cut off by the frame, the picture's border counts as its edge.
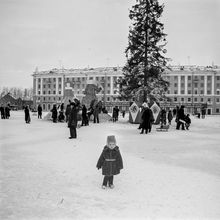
(202, 77)
(44, 98)
(54, 86)
(59, 86)
(175, 78)
(182, 91)
(196, 85)
(59, 79)
(217, 100)
(44, 92)
(48, 106)
(189, 77)
(38, 86)
(44, 86)
(182, 84)
(189, 99)
(49, 86)
(44, 107)
(175, 99)
(59, 92)
(49, 98)
(108, 84)
(54, 98)
(201, 84)
(182, 78)
(195, 91)
(201, 92)
(54, 79)
(202, 100)
(217, 110)
(195, 100)
(90, 78)
(182, 99)
(97, 78)
(175, 91)
(209, 78)
(189, 85)
(189, 91)
(39, 80)
(49, 92)
(218, 92)
(38, 92)
(54, 92)
(175, 84)
(209, 92)
(209, 100)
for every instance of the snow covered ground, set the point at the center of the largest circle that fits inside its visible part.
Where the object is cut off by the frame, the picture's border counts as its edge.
(166, 175)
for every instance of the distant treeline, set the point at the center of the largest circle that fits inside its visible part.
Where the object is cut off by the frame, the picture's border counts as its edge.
(16, 92)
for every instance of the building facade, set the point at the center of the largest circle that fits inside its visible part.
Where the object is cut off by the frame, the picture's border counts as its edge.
(49, 86)
(194, 87)
(191, 86)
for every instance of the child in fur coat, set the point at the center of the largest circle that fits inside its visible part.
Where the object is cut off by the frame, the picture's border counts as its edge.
(110, 161)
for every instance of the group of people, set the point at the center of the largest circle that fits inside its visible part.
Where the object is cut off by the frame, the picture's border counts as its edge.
(5, 111)
(183, 120)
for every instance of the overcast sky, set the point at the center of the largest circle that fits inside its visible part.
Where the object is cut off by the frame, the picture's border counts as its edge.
(80, 33)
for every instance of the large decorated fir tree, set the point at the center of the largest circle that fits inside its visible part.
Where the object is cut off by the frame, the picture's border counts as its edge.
(145, 53)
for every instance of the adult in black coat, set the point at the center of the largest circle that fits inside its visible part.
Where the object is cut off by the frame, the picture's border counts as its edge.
(151, 120)
(181, 118)
(96, 114)
(85, 120)
(54, 113)
(67, 112)
(72, 121)
(39, 110)
(2, 109)
(146, 120)
(27, 115)
(7, 111)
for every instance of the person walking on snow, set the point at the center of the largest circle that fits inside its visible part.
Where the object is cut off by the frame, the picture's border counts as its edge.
(54, 113)
(170, 117)
(27, 115)
(110, 161)
(39, 110)
(72, 121)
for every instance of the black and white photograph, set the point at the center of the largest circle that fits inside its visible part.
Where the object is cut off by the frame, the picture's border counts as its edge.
(110, 109)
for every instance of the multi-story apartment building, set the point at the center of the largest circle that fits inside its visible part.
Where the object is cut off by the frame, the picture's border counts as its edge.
(191, 86)
(49, 86)
(194, 87)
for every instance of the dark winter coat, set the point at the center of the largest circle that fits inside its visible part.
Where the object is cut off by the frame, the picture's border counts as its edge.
(181, 115)
(110, 161)
(27, 114)
(39, 109)
(84, 111)
(54, 112)
(146, 119)
(170, 116)
(72, 121)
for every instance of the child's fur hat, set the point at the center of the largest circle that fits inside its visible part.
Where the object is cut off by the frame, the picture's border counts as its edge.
(111, 139)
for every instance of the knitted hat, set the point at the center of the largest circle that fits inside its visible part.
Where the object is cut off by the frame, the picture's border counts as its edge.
(111, 139)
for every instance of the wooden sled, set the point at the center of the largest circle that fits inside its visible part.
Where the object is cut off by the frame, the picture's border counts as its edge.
(163, 128)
